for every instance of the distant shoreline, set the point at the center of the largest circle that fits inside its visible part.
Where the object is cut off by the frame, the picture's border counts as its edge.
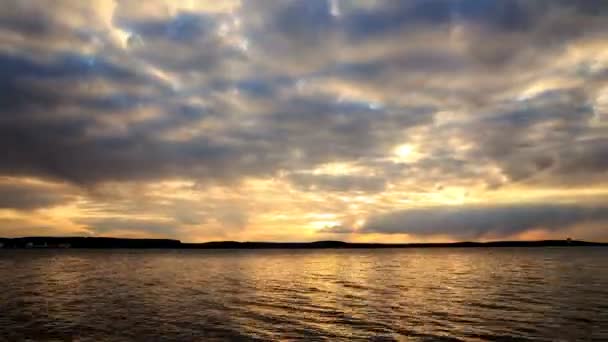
(40, 242)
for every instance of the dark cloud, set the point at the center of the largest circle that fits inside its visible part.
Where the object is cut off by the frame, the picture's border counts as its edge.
(297, 131)
(540, 137)
(504, 15)
(498, 33)
(35, 129)
(27, 84)
(326, 129)
(27, 196)
(184, 26)
(543, 22)
(290, 29)
(38, 138)
(474, 222)
(31, 21)
(585, 157)
(194, 35)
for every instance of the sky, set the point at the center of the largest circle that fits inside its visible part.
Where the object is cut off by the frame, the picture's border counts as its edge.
(304, 120)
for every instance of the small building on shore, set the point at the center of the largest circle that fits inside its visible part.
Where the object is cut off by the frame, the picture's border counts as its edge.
(44, 244)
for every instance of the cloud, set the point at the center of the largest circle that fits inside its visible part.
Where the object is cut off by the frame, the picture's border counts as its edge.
(536, 141)
(12, 227)
(340, 183)
(121, 226)
(291, 128)
(488, 97)
(475, 222)
(20, 196)
(202, 48)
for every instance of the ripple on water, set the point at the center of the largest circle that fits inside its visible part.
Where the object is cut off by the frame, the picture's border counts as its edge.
(434, 295)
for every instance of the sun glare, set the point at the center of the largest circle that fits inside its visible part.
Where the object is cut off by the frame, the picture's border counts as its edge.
(405, 153)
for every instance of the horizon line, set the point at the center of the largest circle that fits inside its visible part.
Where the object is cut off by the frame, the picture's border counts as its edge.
(118, 242)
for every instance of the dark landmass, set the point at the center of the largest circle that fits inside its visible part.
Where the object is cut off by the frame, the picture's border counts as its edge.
(87, 242)
(106, 242)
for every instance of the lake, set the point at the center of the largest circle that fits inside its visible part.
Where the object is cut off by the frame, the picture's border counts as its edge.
(476, 294)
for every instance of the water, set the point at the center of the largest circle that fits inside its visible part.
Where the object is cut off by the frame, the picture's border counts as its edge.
(547, 294)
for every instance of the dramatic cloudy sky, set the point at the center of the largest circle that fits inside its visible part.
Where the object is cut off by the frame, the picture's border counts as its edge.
(361, 120)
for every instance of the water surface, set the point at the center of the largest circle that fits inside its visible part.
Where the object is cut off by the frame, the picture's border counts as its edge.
(552, 294)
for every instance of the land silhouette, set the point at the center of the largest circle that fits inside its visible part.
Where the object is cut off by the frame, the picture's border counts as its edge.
(109, 242)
